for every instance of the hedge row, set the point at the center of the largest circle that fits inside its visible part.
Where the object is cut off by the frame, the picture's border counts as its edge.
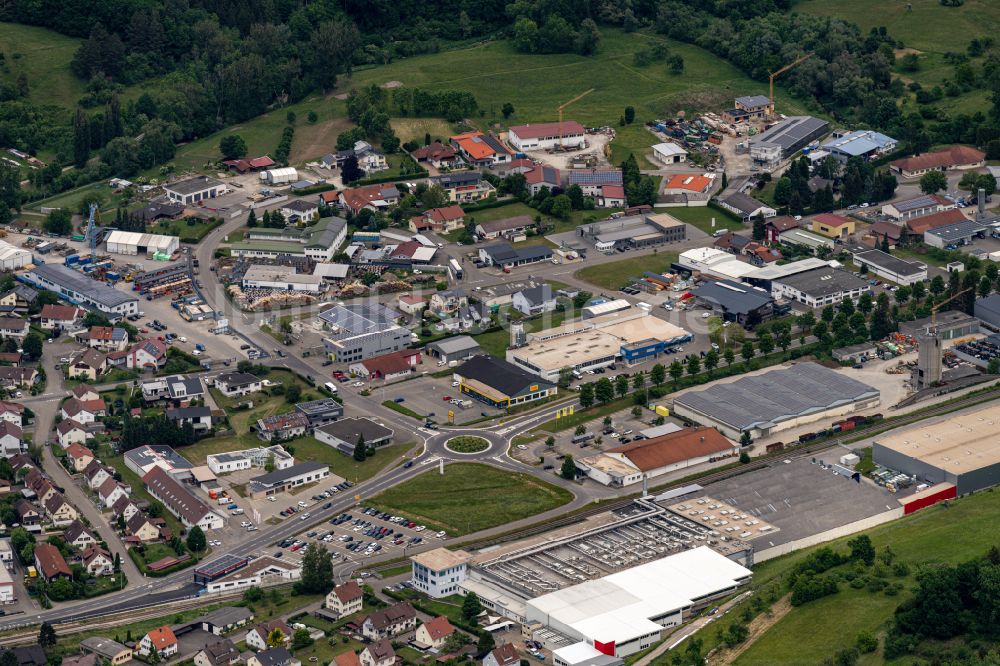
(423, 173)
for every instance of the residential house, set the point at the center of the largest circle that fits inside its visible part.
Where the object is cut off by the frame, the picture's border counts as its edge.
(97, 561)
(434, 633)
(107, 338)
(610, 196)
(299, 211)
(17, 377)
(219, 653)
(110, 491)
(199, 418)
(349, 658)
(369, 159)
(161, 639)
(884, 230)
(437, 154)
(96, 474)
(18, 299)
(88, 364)
(146, 354)
(777, 225)
(85, 392)
(78, 536)
(237, 384)
(504, 654)
(79, 456)
(25, 655)
(392, 621)
(732, 242)
(445, 219)
(345, 599)
(542, 176)
(59, 510)
(411, 304)
(278, 656)
(534, 300)
(125, 507)
(393, 365)
(464, 186)
(83, 411)
(446, 303)
(379, 653)
(257, 637)
(10, 439)
(376, 198)
(141, 527)
(506, 228)
(50, 563)
(11, 411)
(250, 164)
(279, 427)
(27, 513)
(329, 198)
(62, 317)
(481, 150)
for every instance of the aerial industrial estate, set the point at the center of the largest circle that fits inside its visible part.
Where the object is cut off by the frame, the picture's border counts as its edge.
(437, 384)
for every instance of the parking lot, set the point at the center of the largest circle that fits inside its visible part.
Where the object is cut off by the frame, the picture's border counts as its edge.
(361, 534)
(428, 396)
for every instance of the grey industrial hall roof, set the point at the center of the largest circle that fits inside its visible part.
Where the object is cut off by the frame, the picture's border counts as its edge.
(359, 318)
(779, 395)
(954, 232)
(498, 374)
(348, 430)
(280, 475)
(192, 185)
(455, 344)
(71, 280)
(754, 100)
(595, 177)
(790, 131)
(821, 282)
(734, 297)
(890, 263)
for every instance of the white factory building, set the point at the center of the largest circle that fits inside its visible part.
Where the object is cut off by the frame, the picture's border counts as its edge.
(715, 262)
(625, 612)
(281, 277)
(13, 257)
(135, 243)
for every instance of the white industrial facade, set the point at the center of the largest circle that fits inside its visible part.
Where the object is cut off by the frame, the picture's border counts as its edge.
(625, 612)
(134, 243)
(281, 277)
(546, 136)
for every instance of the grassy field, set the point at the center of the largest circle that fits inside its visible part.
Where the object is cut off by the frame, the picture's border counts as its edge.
(702, 216)
(614, 274)
(537, 84)
(263, 133)
(43, 56)
(930, 28)
(414, 129)
(941, 534)
(183, 229)
(471, 497)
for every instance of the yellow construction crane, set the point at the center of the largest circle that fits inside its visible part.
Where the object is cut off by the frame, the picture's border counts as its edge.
(937, 307)
(575, 99)
(771, 76)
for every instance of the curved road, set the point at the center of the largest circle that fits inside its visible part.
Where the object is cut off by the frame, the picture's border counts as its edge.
(142, 592)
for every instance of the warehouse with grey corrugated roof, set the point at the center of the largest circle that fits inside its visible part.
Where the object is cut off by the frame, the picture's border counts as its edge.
(776, 400)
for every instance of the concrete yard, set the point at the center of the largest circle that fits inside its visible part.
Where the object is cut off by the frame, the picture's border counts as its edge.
(801, 499)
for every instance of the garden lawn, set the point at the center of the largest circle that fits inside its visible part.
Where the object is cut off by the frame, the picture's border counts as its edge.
(470, 497)
(414, 129)
(701, 218)
(615, 274)
(951, 533)
(43, 56)
(188, 232)
(341, 464)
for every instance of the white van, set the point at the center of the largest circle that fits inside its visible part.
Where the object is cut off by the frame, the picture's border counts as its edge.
(331, 387)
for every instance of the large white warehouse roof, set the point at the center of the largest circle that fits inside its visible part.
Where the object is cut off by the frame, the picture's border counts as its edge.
(617, 608)
(152, 242)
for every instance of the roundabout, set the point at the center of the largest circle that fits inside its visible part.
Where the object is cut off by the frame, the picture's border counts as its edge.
(467, 445)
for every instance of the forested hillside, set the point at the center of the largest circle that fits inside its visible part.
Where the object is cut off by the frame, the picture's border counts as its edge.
(150, 74)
